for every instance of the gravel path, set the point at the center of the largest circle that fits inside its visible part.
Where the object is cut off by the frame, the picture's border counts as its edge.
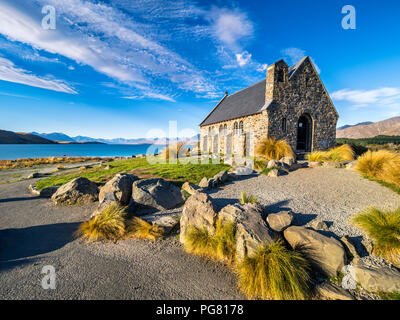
(35, 233)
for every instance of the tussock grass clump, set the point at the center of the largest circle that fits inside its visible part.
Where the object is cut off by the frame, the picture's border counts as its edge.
(260, 163)
(173, 151)
(113, 224)
(109, 225)
(338, 154)
(245, 198)
(221, 246)
(274, 272)
(137, 228)
(382, 165)
(272, 149)
(384, 228)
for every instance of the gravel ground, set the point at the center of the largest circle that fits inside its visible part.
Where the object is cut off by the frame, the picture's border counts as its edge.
(334, 195)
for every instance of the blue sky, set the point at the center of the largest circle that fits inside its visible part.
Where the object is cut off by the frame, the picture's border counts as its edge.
(119, 68)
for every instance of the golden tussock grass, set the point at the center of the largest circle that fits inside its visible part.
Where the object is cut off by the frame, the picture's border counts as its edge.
(381, 165)
(384, 228)
(113, 224)
(274, 272)
(273, 149)
(338, 154)
(246, 198)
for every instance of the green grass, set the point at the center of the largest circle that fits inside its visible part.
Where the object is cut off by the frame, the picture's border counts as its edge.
(384, 228)
(274, 272)
(389, 295)
(246, 198)
(177, 172)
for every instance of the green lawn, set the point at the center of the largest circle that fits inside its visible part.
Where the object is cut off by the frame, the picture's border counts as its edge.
(176, 172)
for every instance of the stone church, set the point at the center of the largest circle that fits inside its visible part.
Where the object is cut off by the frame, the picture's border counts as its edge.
(290, 104)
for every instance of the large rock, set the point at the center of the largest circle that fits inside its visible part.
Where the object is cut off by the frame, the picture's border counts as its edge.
(251, 229)
(118, 189)
(44, 193)
(382, 279)
(243, 171)
(319, 224)
(280, 221)
(330, 291)
(156, 194)
(326, 252)
(190, 188)
(288, 160)
(77, 191)
(168, 222)
(314, 164)
(199, 212)
(274, 173)
(221, 177)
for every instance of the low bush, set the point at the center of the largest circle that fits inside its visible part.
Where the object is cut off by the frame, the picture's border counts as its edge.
(245, 198)
(272, 149)
(137, 228)
(260, 163)
(274, 272)
(384, 228)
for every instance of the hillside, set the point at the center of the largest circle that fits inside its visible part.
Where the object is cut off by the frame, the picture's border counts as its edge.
(389, 127)
(9, 137)
(55, 136)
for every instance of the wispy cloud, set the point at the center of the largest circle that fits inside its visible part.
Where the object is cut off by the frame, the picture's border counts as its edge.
(381, 97)
(151, 95)
(9, 72)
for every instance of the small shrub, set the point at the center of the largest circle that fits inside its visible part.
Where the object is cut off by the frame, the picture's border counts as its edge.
(137, 228)
(109, 225)
(317, 156)
(272, 149)
(384, 228)
(260, 163)
(274, 272)
(245, 198)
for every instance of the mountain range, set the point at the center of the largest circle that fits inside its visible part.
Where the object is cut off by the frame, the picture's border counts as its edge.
(388, 127)
(9, 137)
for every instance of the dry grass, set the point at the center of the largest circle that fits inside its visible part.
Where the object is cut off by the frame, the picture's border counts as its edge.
(338, 154)
(272, 149)
(382, 165)
(221, 246)
(384, 228)
(137, 228)
(109, 225)
(113, 224)
(260, 163)
(173, 151)
(274, 272)
(245, 198)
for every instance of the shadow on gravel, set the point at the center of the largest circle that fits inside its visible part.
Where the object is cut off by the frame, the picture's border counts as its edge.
(18, 199)
(8, 265)
(31, 241)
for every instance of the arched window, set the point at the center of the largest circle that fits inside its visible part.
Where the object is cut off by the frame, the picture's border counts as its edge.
(225, 129)
(284, 125)
(235, 128)
(241, 127)
(221, 130)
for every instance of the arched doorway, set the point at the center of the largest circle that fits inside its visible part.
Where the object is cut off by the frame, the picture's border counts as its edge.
(304, 133)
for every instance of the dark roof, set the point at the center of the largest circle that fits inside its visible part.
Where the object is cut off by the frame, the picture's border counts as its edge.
(240, 104)
(246, 102)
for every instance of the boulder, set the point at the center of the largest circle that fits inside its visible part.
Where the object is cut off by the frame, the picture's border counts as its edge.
(33, 190)
(243, 171)
(319, 224)
(251, 231)
(274, 173)
(167, 222)
(351, 165)
(206, 183)
(330, 291)
(332, 164)
(199, 212)
(156, 194)
(326, 252)
(280, 221)
(34, 175)
(349, 247)
(382, 279)
(118, 189)
(288, 160)
(273, 164)
(77, 191)
(221, 177)
(190, 188)
(48, 192)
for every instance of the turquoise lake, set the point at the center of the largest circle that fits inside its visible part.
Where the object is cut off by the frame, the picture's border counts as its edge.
(22, 151)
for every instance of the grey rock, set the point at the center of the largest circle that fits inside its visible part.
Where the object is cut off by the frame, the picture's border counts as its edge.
(167, 222)
(332, 164)
(319, 224)
(274, 173)
(48, 192)
(34, 175)
(118, 189)
(350, 248)
(314, 164)
(190, 188)
(243, 171)
(156, 194)
(288, 160)
(77, 191)
(330, 291)
(204, 183)
(326, 252)
(273, 164)
(221, 177)
(280, 221)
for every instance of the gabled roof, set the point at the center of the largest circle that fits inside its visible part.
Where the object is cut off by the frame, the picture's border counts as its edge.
(240, 104)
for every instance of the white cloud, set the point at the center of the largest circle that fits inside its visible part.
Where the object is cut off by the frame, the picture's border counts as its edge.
(9, 72)
(151, 95)
(243, 58)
